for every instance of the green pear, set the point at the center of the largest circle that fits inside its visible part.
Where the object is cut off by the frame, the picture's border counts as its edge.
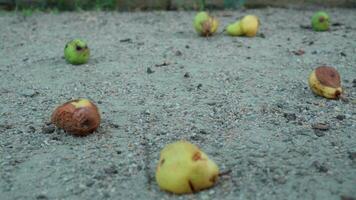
(234, 29)
(320, 21)
(204, 24)
(184, 168)
(76, 52)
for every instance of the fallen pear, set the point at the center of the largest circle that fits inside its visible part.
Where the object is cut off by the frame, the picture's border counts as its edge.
(320, 21)
(79, 117)
(234, 29)
(325, 81)
(250, 25)
(205, 25)
(77, 52)
(184, 168)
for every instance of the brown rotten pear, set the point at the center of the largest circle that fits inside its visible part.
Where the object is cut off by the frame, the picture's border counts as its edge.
(325, 81)
(79, 117)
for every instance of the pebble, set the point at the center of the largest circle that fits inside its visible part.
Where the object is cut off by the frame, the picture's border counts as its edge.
(149, 70)
(178, 53)
(290, 116)
(343, 197)
(47, 129)
(352, 155)
(340, 117)
(199, 85)
(319, 133)
(320, 167)
(29, 93)
(321, 126)
(31, 129)
(41, 197)
(187, 75)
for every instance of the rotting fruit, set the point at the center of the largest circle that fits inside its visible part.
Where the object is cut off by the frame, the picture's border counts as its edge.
(184, 168)
(320, 21)
(325, 81)
(79, 117)
(77, 52)
(205, 25)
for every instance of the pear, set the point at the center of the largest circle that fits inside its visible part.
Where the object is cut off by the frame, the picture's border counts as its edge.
(250, 25)
(79, 117)
(205, 25)
(234, 29)
(76, 52)
(320, 21)
(184, 168)
(325, 81)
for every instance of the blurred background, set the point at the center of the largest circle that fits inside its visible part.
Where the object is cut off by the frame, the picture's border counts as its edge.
(132, 5)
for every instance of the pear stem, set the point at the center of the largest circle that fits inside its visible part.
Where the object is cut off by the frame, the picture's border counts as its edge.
(343, 98)
(227, 172)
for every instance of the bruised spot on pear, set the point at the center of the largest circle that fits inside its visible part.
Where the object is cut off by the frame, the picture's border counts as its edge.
(328, 76)
(162, 162)
(196, 156)
(214, 178)
(191, 186)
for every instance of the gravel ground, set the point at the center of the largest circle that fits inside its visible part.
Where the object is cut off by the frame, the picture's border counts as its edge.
(244, 101)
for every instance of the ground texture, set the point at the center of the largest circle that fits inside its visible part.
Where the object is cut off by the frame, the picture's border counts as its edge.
(244, 101)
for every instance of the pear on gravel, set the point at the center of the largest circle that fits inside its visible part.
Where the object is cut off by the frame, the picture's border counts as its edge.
(325, 81)
(77, 52)
(234, 29)
(250, 25)
(183, 168)
(205, 25)
(320, 21)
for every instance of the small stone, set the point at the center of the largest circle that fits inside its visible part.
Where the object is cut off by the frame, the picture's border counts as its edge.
(149, 70)
(320, 167)
(187, 46)
(178, 53)
(343, 197)
(31, 129)
(129, 40)
(340, 117)
(199, 86)
(41, 197)
(321, 126)
(204, 132)
(111, 170)
(343, 54)
(29, 93)
(290, 116)
(352, 155)
(47, 129)
(187, 75)
(319, 133)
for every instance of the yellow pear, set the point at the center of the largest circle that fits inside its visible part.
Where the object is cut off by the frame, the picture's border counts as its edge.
(184, 168)
(325, 81)
(250, 25)
(234, 29)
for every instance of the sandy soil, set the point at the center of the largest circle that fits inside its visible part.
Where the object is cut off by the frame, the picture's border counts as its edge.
(244, 101)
